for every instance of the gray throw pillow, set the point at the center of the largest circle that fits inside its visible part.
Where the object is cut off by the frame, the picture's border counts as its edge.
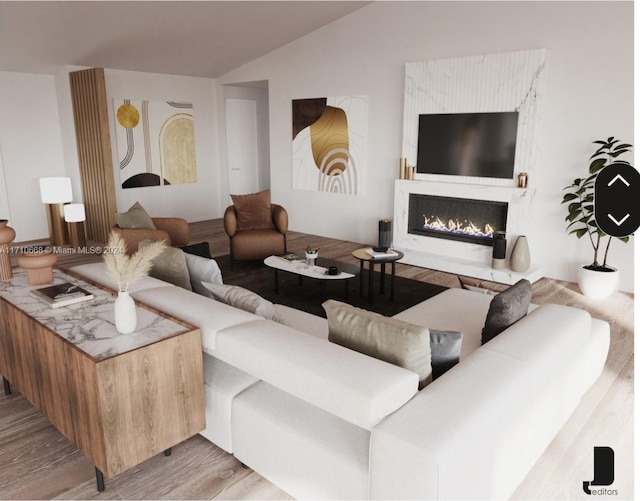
(170, 266)
(244, 299)
(202, 270)
(445, 350)
(135, 217)
(395, 341)
(506, 309)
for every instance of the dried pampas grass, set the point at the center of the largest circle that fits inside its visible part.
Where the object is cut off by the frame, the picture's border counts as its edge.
(127, 269)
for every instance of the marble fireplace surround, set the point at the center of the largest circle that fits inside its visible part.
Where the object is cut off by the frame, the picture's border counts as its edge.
(461, 258)
(513, 81)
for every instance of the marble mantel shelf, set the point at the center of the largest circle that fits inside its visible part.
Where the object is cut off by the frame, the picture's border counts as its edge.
(469, 268)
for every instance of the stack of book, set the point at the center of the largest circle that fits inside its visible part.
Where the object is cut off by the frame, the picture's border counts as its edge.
(380, 254)
(62, 294)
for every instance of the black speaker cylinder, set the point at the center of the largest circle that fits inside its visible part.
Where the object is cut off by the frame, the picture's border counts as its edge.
(384, 234)
(499, 245)
(499, 250)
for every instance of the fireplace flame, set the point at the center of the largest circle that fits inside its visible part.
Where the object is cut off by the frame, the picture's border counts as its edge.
(465, 227)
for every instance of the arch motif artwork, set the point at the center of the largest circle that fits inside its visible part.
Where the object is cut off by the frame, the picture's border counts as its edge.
(329, 137)
(156, 142)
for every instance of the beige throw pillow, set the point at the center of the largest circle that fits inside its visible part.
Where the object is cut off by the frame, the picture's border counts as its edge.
(170, 266)
(394, 341)
(253, 211)
(135, 217)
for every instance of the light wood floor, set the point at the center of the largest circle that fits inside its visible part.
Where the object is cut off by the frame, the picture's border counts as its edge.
(36, 462)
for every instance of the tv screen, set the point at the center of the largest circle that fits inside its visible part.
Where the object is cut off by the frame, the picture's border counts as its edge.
(468, 144)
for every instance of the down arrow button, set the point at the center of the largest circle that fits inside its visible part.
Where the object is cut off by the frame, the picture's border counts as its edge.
(616, 199)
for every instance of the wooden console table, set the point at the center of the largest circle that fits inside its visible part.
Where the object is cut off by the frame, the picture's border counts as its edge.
(119, 399)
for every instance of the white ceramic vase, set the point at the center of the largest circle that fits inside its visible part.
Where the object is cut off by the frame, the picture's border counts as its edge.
(597, 284)
(124, 310)
(520, 256)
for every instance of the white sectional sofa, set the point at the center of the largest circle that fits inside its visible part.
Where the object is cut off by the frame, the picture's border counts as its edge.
(322, 421)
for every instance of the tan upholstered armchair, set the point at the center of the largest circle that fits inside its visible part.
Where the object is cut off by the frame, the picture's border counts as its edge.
(173, 230)
(248, 244)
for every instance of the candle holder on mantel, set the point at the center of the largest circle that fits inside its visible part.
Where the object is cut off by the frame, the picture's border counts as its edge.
(523, 180)
(403, 168)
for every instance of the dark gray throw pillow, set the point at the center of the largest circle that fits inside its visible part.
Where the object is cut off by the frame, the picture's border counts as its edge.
(201, 249)
(506, 309)
(445, 351)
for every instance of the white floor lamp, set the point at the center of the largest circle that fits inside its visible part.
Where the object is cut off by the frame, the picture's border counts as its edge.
(55, 192)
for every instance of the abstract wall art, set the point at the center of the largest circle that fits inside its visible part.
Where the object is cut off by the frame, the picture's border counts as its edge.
(156, 142)
(328, 149)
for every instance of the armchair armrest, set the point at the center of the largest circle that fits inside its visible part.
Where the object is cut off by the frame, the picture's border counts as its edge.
(280, 218)
(176, 227)
(230, 220)
(133, 236)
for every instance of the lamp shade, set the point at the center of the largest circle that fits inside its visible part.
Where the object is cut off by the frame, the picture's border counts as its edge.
(55, 190)
(74, 213)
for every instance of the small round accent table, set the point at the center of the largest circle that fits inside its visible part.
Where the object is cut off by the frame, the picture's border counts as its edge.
(382, 260)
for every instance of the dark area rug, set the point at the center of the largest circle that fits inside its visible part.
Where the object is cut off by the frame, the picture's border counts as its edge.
(259, 278)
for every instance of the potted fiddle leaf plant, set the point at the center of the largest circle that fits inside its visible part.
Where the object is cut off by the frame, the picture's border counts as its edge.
(597, 279)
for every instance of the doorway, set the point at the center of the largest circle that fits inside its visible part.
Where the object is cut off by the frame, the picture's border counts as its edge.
(247, 137)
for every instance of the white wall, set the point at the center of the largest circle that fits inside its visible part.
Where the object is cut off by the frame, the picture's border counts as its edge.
(590, 96)
(31, 147)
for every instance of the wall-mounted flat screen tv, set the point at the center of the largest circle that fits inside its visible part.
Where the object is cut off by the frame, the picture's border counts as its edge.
(468, 144)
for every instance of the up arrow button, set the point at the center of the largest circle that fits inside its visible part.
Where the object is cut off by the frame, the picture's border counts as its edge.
(618, 178)
(617, 196)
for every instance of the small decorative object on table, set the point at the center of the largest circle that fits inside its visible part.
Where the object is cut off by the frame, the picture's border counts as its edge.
(125, 270)
(310, 255)
(62, 294)
(520, 256)
(499, 250)
(523, 180)
(38, 261)
(7, 234)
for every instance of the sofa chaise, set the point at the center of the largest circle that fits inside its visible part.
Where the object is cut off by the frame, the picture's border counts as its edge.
(322, 421)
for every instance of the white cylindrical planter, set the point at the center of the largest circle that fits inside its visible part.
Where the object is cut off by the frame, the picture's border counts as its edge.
(520, 256)
(124, 310)
(310, 258)
(598, 284)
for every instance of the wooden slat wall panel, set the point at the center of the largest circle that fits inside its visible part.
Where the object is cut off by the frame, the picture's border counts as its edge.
(89, 98)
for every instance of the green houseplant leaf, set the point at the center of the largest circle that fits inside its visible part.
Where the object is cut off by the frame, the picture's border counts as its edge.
(579, 197)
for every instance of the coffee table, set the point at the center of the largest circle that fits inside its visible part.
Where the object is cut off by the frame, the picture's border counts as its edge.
(364, 256)
(318, 271)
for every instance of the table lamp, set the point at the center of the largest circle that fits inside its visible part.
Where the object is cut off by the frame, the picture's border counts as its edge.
(55, 192)
(74, 216)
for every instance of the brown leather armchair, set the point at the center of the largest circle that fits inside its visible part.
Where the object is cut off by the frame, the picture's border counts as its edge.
(256, 244)
(173, 230)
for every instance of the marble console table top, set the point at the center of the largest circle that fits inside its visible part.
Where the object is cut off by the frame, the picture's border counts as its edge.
(89, 325)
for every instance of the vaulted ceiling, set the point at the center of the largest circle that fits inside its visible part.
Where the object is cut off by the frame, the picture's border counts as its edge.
(200, 38)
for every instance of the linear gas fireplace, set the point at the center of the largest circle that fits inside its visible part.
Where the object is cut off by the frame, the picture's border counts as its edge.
(452, 218)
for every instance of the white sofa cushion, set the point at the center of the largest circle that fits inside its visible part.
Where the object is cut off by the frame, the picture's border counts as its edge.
(348, 384)
(222, 383)
(97, 272)
(453, 310)
(285, 439)
(207, 314)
